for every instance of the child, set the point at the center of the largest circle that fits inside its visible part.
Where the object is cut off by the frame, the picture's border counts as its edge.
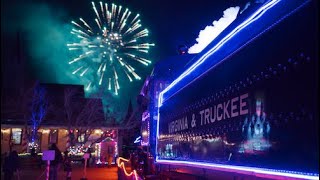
(67, 165)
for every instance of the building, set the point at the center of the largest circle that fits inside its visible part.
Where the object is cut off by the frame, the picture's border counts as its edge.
(86, 120)
(68, 118)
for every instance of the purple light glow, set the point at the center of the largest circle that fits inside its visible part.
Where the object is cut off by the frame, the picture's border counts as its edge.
(268, 173)
(145, 116)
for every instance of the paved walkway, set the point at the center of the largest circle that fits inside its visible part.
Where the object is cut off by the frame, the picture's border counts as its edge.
(94, 173)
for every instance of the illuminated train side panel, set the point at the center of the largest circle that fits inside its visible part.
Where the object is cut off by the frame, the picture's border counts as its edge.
(251, 104)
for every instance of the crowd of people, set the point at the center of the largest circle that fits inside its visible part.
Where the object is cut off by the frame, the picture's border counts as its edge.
(11, 164)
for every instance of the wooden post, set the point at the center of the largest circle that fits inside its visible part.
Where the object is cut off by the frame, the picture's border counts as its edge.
(84, 170)
(48, 169)
(48, 156)
(86, 156)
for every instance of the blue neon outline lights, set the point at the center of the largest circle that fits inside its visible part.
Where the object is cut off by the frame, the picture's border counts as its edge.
(250, 170)
(256, 15)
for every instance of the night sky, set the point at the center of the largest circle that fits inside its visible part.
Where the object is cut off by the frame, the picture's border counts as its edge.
(45, 27)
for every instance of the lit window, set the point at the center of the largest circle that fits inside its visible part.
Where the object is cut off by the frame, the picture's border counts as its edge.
(16, 135)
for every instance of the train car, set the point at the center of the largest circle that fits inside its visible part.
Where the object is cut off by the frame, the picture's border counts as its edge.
(247, 105)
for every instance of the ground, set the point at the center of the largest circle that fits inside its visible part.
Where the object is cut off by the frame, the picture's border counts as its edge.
(93, 173)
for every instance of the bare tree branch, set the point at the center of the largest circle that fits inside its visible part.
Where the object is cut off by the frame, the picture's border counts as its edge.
(85, 114)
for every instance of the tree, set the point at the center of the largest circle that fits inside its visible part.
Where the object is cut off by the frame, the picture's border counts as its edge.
(90, 118)
(82, 114)
(69, 102)
(111, 112)
(133, 119)
(39, 109)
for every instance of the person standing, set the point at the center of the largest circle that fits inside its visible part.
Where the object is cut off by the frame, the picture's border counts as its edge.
(3, 157)
(54, 165)
(67, 165)
(110, 155)
(11, 164)
(33, 152)
(88, 161)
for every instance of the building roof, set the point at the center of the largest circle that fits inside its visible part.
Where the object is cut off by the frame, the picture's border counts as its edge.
(83, 111)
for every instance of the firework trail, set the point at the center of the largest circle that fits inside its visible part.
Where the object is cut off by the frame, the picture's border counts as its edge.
(110, 47)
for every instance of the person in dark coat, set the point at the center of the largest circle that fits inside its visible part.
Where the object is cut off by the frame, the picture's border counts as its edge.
(11, 165)
(3, 156)
(33, 152)
(54, 165)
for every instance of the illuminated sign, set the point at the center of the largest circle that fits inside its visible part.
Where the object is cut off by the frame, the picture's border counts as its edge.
(225, 110)
(138, 139)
